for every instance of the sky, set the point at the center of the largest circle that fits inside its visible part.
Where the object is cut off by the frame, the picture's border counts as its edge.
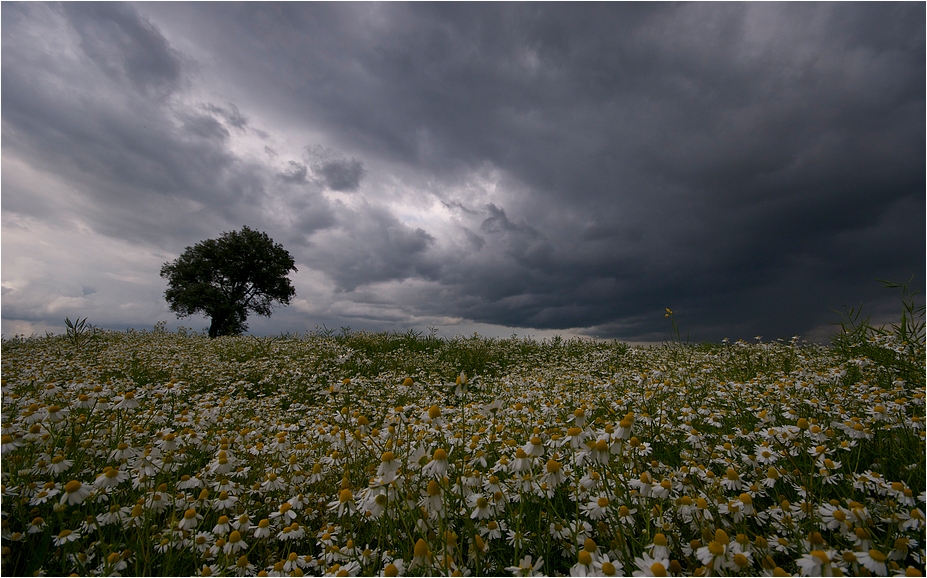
(537, 169)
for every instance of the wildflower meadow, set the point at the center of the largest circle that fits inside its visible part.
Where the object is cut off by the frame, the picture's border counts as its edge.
(354, 453)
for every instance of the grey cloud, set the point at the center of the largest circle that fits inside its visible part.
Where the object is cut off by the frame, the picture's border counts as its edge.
(333, 170)
(206, 127)
(520, 240)
(341, 175)
(148, 170)
(474, 240)
(458, 206)
(750, 165)
(371, 245)
(123, 43)
(498, 222)
(231, 115)
(296, 174)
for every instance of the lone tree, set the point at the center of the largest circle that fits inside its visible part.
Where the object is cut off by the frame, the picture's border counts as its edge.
(226, 278)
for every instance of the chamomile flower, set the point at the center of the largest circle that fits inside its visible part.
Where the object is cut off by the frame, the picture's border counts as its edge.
(438, 465)
(526, 567)
(234, 544)
(126, 401)
(584, 565)
(626, 515)
(243, 567)
(110, 477)
(393, 568)
(225, 501)
(717, 554)
(421, 555)
(555, 474)
(388, 467)
(650, 566)
(344, 504)
(480, 505)
(190, 519)
(59, 464)
(492, 529)
(375, 502)
(75, 492)
(606, 566)
(659, 548)
(534, 447)
(36, 525)
(9, 444)
(874, 561)
(262, 530)
(222, 526)
(597, 508)
(66, 536)
(292, 532)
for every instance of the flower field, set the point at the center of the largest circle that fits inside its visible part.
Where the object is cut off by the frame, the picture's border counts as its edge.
(396, 454)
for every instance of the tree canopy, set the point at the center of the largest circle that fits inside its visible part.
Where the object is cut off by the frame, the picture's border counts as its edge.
(226, 278)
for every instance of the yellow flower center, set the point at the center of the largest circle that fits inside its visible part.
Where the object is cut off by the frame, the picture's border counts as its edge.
(421, 548)
(821, 556)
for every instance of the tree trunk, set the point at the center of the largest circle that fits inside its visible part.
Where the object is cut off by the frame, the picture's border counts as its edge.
(217, 324)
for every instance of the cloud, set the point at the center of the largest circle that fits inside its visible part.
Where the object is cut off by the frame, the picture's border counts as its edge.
(333, 171)
(296, 173)
(123, 44)
(231, 115)
(342, 175)
(205, 127)
(530, 165)
(371, 245)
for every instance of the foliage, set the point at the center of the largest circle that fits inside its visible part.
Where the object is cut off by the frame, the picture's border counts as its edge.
(79, 332)
(899, 349)
(226, 278)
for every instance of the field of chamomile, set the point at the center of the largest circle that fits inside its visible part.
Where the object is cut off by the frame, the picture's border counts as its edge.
(169, 453)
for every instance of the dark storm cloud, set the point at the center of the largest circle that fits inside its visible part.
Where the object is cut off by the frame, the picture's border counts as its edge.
(122, 44)
(295, 174)
(342, 175)
(371, 245)
(333, 171)
(149, 169)
(750, 164)
(205, 127)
